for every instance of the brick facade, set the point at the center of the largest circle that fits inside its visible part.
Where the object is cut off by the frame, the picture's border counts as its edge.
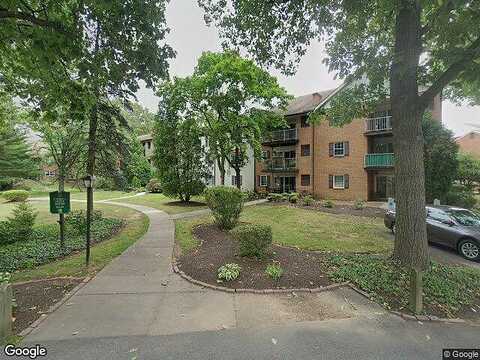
(470, 143)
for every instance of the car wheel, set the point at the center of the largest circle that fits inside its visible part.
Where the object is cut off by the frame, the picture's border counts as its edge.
(469, 249)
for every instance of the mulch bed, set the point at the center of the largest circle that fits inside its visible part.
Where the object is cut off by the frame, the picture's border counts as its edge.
(302, 269)
(367, 211)
(35, 298)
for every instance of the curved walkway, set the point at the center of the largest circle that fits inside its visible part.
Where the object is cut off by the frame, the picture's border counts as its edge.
(137, 303)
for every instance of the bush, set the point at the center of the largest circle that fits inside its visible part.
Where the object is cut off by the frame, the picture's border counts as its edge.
(308, 200)
(460, 196)
(274, 197)
(226, 204)
(328, 204)
(77, 220)
(15, 195)
(359, 204)
(21, 224)
(154, 186)
(104, 183)
(285, 196)
(228, 272)
(253, 239)
(250, 195)
(4, 278)
(275, 271)
(293, 198)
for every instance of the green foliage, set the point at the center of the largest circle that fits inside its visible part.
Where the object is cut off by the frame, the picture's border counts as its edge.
(42, 246)
(137, 170)
(253, 239)
(275, 197)
(293, 197)
(104, 183)
(154, 186)
(15, 195)
(468, 170)
(285, 196)
(308, 200)
(275, 271)
(251, 195)
(139, 118)
(228, 272)
(461, 196)
(447, 289)
(77, 220)
(359, 204)
(4, 278)
(226, 204)
(440, 157)
(327, 204)
(179, 155)
(22, 221)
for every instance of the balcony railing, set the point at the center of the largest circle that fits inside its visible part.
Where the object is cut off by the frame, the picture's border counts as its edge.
(281, 164)
(378, 124)
(282, 135)
(379, 160)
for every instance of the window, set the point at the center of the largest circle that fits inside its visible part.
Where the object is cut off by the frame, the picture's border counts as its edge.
(305, 150)
(149, 145)
(49, 173)
(338, 181)
(305, 180)
(265, 154)
(338, 149)
(234, 180)
(263, 180)
(304, 121)
(438, 215)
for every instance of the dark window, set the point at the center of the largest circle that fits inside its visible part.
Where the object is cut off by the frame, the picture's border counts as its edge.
(289, 154)
(304, 121)
(149, 145)
(234, 180)
(306, 150)
(305, 180)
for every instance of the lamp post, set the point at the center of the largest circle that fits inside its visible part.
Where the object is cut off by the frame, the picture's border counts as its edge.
(89, 182)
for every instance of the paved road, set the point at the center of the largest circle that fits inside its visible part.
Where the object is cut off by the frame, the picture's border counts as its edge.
(137, 308)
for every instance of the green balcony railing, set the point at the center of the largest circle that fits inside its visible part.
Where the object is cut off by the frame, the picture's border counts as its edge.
(281, 164)
(379, 160)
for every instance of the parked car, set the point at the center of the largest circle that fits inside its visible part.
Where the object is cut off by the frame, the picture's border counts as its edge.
(450, 226)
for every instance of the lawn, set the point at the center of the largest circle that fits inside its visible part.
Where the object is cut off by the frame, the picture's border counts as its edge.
(101, 195)
(164, 203)
(306, 229)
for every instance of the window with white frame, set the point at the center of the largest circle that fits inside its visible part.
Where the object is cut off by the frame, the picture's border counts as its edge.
(339, 182)
(263, 180)
(339, 149)
(234, 180)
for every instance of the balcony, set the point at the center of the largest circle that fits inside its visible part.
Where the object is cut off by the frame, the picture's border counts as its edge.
(379, 161)
(281, 165)
(378, 125)
(281, 137)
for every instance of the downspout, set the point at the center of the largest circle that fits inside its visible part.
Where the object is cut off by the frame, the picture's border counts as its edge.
(313, 160)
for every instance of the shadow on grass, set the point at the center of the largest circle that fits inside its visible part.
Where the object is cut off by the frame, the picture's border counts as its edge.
(185, 204)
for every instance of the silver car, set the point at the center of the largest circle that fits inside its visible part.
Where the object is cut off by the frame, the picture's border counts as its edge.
(450, 226)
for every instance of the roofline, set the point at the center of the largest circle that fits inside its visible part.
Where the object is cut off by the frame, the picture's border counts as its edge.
(332, 94)
(468, 133)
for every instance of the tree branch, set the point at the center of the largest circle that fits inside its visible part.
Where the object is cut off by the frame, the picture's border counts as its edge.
(19, 15)
(471, 53)
(445, 9)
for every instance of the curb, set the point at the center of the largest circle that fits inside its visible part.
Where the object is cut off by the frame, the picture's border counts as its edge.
(55, 306)
(255, 291)
(410, 317)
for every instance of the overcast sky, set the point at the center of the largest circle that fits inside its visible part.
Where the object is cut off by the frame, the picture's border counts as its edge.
(190, 36)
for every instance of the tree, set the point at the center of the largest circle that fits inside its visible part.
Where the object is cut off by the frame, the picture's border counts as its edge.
(235, 100)
(179, 155)
(441, 164)
(135, 166)
(382, 41)
(140, 119)
(468, 171)
(16, 159)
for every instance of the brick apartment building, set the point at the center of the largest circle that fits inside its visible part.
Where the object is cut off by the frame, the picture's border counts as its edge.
(342, 163)
(470, 143)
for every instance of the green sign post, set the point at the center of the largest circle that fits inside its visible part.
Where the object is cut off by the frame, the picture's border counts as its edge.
(59, 202)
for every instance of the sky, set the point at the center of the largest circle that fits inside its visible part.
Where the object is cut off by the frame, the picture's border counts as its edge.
(190, 36)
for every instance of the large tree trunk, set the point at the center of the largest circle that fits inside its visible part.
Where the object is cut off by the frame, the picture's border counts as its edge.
(61, 220)
(238, 178)
(92, 147)
(411, 247)
(221, 168)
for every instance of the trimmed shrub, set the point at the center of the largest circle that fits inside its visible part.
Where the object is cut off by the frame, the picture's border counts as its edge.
(77, 220)
(275, 271)
(21, 224)
(15, 195)
(308, 200)
(293, 198)
(359, 204)
(226, 204)
(328, 204)
(228, 272)
(274, 197)
(460, 196)
(105, 184)
(154, 186)
(250, 195)
(285, 196)
(253, 239)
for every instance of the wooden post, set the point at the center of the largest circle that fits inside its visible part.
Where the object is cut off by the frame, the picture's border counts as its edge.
(5, 312)
(416, 291)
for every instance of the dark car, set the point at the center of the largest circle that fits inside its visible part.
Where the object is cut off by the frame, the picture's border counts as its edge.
(450, 226)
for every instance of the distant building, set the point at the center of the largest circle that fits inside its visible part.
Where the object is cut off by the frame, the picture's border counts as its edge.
(147, 144)
(470, 143)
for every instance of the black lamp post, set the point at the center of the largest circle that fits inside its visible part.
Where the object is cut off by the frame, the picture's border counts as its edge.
(89, 182)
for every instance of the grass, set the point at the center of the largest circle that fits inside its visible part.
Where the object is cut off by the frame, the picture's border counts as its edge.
(306, 229)
(164, 203)
(448, 289)
(101, 254)
(101, 195)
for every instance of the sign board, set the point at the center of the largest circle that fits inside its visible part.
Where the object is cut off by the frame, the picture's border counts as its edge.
(59, 202)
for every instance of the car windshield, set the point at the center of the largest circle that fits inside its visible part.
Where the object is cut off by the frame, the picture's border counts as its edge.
(465, 217)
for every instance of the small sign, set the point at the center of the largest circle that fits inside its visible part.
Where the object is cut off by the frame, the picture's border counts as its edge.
(59, 202)
(436, 202)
